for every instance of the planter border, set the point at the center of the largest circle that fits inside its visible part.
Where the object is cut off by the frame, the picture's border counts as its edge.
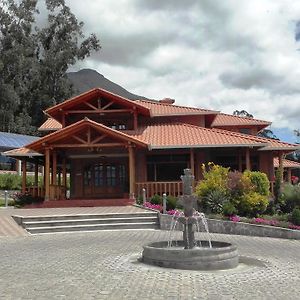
(238, 228)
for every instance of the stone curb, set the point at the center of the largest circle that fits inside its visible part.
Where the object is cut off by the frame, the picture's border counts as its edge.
(238, 228)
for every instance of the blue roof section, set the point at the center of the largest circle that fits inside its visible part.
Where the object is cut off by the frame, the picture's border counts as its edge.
(13, 140)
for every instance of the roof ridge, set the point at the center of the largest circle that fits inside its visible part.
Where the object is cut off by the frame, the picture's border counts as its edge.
(247, 118)
(175, 105)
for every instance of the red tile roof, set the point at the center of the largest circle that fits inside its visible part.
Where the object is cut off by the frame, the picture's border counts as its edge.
(21, 152)
(164, 109)
(287, 163)
(50, 125)
(231, 120)
(271, 144)
(180, 135)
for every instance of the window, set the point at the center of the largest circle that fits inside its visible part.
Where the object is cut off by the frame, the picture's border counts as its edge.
(99, 172)
(87, 176)
(245, 130)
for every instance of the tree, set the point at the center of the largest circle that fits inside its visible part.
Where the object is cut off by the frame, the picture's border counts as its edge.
(242, 113)
(34, 60)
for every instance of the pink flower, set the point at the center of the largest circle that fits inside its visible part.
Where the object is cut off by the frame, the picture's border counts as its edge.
(235, 218)
(292, 226)
(173, 212)
(153, 206)
(265, 222)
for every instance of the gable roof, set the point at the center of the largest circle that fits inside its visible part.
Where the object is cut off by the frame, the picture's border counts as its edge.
(50, 125)
(75, 127)
(165, 109)
(97, 92)
(222, 120)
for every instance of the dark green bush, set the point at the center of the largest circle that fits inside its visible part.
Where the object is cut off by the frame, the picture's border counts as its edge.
(171, 202)
(25, 199)
(156, 199)
(289, 198)
(214, 201)
(229, 209)
(295, 216)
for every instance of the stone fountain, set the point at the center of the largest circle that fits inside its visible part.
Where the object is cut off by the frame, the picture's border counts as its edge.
(189, 253)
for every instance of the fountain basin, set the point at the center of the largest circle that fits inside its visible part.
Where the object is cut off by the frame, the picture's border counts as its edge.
(221, 256)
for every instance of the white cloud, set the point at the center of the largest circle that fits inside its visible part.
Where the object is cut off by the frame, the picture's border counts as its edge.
(223, 55)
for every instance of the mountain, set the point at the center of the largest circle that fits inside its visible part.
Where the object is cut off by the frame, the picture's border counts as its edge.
(87, 79)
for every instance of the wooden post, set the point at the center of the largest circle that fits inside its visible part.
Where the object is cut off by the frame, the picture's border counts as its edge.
(240, 161)
(289, 175)
(23, 176)
(280, 158)
(64, 173)
(131, 171)
(248, 164)
(47, 174)
(54, 168)
(36, 179)
(192, 161)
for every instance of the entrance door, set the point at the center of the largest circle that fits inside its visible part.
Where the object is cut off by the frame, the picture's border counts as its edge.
(105, 180)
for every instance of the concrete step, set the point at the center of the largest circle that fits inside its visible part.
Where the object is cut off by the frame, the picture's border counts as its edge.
(92, 227)
(88, 222)
(84, 216)
(69, 222)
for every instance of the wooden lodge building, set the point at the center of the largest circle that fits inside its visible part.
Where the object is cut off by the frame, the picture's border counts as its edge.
(113, 147)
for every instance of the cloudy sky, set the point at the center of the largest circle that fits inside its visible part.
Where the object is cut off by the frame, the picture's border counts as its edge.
(222, 55)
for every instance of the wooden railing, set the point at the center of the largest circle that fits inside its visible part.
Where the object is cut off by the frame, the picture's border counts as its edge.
(172, 188)
(36, 191)
(57, 192)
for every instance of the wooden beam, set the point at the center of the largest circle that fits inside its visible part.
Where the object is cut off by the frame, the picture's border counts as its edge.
(98, 111)
(280, 158)
(98, 139)
(131, 171)
(36, 174)
(248, 163)
(64, 172)
(89, 135)
(108, 105)
(91, 106)
(23, 176)
(88, 145)
(289, 175)
(240, 161)
(47, 174)
(77, 138)
(63, 120)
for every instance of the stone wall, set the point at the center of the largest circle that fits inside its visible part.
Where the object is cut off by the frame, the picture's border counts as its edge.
(239, 228)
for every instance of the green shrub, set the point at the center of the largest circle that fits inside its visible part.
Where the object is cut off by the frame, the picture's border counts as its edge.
(214, 201)
(259, 181)
(215, 179)
(171, 202)
(295, 216)
(26, 198)
(14, 181)
(229, 209)
(278, 185)
(156, 199)
(289, 198)
(252, 204)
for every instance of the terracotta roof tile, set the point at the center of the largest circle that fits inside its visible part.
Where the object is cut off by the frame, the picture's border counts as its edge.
(164, 109)
(286, 163)
(179, 135)
(271, 144)
(21, 152)
(50, 125)
(231, 120)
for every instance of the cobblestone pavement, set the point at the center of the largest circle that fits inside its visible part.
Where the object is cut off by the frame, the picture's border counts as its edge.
(104, 265)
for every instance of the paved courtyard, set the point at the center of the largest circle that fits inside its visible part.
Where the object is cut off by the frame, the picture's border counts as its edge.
(104, 265)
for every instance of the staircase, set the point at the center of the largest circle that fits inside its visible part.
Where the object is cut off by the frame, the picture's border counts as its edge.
(88, 222)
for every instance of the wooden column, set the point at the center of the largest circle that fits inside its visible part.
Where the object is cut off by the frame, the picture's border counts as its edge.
(64, 173)
(280, 158)
(36, 179)
(248, 163)
(131, 171)
(192, 161)
(54, 168)
(23, 176)
(289, 175)
(240, 161)
(47, 174)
